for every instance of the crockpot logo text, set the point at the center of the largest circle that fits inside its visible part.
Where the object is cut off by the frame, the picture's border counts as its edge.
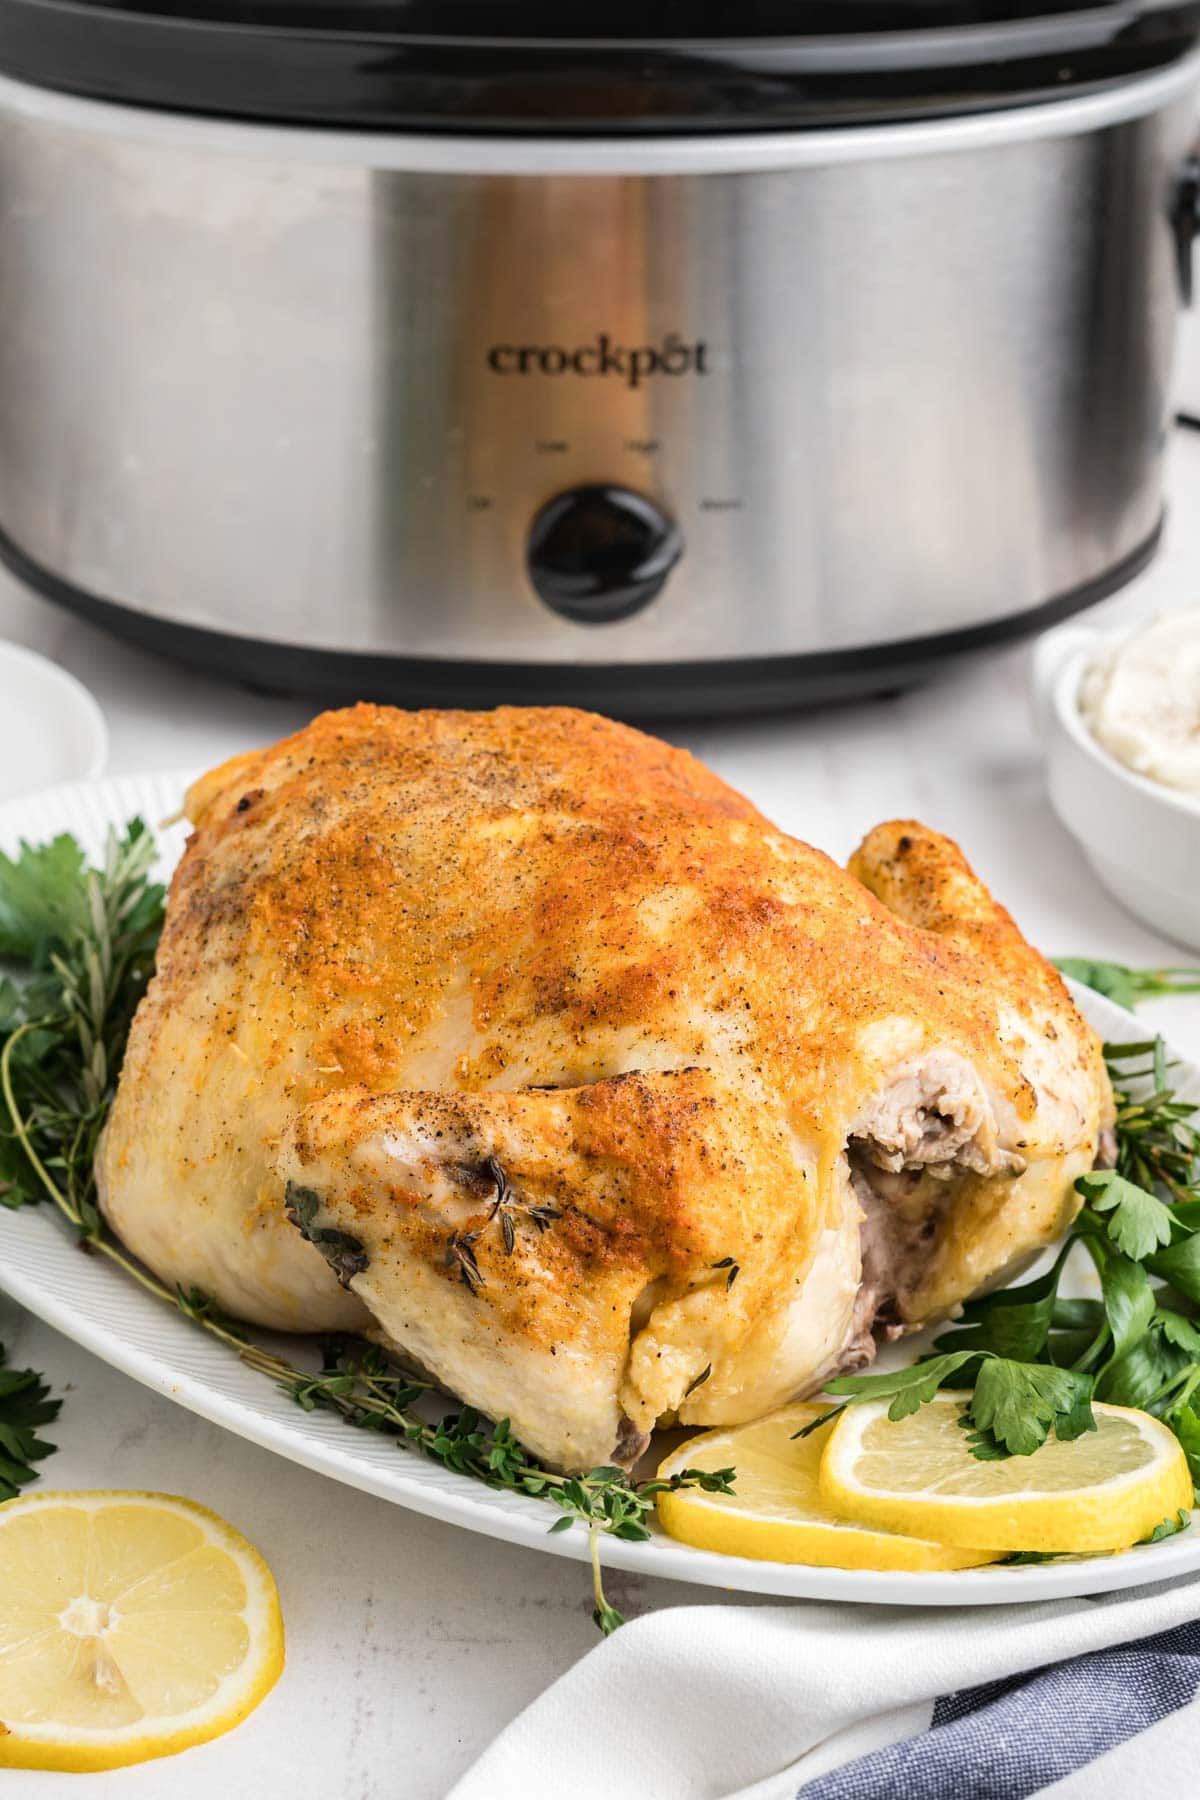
(630, 364)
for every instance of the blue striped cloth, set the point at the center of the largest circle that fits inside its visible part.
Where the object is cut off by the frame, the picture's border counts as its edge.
(1010, 1739)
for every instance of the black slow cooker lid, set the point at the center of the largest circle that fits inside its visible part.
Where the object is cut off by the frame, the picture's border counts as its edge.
(556, 65)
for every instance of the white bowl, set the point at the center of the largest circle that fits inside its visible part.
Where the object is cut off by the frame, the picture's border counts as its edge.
(51, 729)
(1141, 838)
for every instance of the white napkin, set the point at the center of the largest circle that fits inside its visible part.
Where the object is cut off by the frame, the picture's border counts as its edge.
(712, 1702)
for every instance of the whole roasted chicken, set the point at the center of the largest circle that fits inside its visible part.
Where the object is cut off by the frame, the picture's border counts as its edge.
(521, 1041)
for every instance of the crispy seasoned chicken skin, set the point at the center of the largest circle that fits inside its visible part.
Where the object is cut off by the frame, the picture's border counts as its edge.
(521, 1040)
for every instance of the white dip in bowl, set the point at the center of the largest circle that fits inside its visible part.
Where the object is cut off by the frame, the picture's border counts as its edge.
(1140, 698)
(1120, 758)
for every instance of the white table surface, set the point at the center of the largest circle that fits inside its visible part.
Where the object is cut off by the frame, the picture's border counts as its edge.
(411, 1643)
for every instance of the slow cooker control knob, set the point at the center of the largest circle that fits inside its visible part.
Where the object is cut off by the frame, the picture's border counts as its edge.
(598, 554)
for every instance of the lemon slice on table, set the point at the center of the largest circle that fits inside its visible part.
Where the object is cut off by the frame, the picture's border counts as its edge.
(776, 1513)
(1102, 1491)
(131, 1626)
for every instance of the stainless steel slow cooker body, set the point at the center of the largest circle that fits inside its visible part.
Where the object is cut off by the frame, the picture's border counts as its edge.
(816, 406)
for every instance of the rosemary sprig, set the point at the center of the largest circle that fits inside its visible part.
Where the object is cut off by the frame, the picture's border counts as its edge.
(1158, 1140)
(87, 939)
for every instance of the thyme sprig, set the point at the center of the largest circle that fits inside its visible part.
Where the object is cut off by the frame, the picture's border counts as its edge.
(366, 1388)
(84, 939)
(505, 1208)
(461, 1254)
(508, 1206)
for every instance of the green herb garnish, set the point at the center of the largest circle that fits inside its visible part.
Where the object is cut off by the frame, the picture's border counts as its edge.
(1168, 1528)
(1125, 987)
(25, 1403)
(86, 938)
(507, 1207)
(344, 1254)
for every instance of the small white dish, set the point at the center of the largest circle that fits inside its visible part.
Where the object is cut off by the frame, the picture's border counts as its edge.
(1141, 837)
(51, 729)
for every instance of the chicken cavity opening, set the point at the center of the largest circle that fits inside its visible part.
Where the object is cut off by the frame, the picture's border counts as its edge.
(932, 1125)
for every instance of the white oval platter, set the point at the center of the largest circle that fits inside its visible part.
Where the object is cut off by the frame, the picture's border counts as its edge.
(93, 1303)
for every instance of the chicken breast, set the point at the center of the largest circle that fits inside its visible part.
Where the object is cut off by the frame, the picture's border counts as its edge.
(521, 1040)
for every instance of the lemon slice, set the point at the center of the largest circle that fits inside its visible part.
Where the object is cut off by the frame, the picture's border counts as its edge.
(776, 1513)
(131, 1626)
(1102, 1491)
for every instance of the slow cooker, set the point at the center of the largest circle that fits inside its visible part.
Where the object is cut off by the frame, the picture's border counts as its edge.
(673, 357)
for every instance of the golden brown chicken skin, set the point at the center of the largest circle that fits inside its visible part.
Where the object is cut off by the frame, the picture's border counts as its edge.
(522, 1040)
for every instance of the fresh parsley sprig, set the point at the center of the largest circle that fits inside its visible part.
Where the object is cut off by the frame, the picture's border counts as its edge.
(25, 1403)
(81, 944)
(1013, 1405)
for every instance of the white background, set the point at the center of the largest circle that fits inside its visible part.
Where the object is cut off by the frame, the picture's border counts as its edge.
(411, 1643)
